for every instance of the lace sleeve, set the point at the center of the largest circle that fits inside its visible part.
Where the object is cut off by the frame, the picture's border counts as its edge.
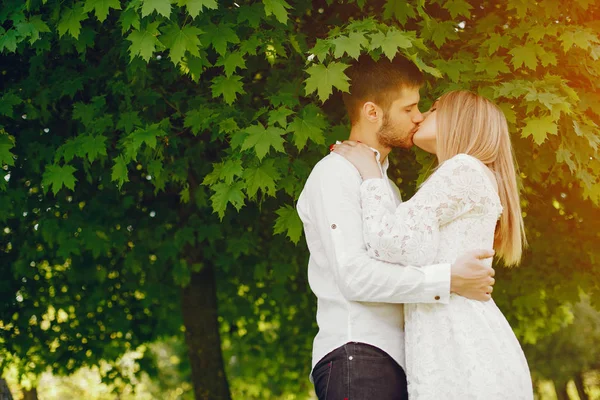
(409, 234)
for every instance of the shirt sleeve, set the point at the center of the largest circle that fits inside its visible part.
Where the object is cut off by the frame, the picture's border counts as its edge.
(332, 208)
(409, 233)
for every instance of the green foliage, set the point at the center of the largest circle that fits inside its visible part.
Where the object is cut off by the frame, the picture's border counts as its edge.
(210, 147)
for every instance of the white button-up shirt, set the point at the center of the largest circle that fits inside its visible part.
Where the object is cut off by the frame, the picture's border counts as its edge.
(359, 299)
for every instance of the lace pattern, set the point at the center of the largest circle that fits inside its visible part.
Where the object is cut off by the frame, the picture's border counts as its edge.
(465, 349)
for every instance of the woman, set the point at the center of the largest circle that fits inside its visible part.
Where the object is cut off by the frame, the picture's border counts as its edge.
(465, 349)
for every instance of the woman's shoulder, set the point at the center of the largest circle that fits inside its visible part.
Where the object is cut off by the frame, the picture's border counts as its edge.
(463, 159)
(468, 165)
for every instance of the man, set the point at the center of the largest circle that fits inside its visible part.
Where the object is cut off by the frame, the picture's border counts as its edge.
(358, 353)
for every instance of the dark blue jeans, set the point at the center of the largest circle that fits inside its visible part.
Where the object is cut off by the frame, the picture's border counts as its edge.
(358, 371)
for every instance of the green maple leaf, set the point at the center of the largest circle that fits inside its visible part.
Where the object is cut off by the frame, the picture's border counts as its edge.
(101, 7)
(580, 37)
(288, 222)
(252, 13)
(144, 42)
(539, 128)
(362, 25)
(179, 40)
(439, 32)
(155, 168)
(220, 35)
(31, 28)
(287, 96)
(546, 58)
(6, 144)
(249, 45)
(228, 126)
(225, 171)
(119, 171)
(228, 87)
(308, 125)
(146, 136)
(230, 169)
(452, 68)
(390, 42)
(85, 112)
(56, 177)
(237, 139)
(67, 151)
(458, 7)
(520, 5)
(399, 9)
(537, 33)
(263, 177)
(129, 120)
(324, 78)
(194, 7)
(261, 139)
(279, 116)
(7, 102)
(198, 120)
(424, 67)
(225, 194)
(129, 19)
(92, 146)
(194, 66)
(231, 61)
(350, 45)
(546, 98)
(496, 41)
(564, 156)
(524, 55)
(278, 8)
(162, 7)
(9, 40)
(321, 48)
(70, 21)
(493, 66)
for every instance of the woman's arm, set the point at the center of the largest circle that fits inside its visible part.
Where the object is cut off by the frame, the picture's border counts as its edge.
(409, 233)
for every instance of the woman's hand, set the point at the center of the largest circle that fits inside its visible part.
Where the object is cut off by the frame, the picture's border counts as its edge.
(363, 158)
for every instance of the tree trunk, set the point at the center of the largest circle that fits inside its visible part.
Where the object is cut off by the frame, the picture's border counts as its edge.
(580, 387)
(561, 390)
(5, 391)
(199, 306)
(30, 394)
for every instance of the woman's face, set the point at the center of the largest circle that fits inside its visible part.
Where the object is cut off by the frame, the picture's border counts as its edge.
(425, 137)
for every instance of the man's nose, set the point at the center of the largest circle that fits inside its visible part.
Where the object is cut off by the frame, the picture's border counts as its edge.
(418, 118)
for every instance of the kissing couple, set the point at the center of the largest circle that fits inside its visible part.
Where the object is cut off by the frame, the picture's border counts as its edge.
(403, 289)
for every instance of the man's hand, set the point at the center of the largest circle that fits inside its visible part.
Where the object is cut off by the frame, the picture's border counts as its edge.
(471, 277)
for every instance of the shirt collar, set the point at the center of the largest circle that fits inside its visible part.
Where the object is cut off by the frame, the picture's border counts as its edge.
(385, 164)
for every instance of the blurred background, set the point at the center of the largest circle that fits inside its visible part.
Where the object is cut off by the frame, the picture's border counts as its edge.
(152, 152)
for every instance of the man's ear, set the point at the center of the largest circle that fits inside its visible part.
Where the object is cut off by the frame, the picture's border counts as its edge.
(371, 111)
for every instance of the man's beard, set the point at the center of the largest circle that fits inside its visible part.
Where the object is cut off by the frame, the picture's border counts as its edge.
(389, 136)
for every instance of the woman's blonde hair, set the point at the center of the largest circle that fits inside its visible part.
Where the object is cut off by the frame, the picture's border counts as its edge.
(471, 124)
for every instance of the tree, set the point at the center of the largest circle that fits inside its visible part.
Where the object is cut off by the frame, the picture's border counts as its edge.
(569, 352)
(152, 149)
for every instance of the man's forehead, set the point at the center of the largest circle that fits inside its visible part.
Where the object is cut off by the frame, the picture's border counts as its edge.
(408, 96)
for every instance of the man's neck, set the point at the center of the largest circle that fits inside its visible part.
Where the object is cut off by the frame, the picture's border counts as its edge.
(370, 139)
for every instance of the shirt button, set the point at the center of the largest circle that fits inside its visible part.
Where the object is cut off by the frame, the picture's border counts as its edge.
(437, 297)
(333, 226)
(350, 358)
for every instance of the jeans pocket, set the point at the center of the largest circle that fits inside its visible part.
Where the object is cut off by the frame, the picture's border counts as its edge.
(321, 376)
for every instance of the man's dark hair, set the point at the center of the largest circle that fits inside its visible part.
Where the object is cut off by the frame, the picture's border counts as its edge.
(378, 81)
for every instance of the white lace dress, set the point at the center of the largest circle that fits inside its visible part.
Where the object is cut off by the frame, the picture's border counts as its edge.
(465, 349)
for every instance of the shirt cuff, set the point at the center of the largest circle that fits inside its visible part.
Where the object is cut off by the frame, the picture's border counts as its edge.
(437, 283)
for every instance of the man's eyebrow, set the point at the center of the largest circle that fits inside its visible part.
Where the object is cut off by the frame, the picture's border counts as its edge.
(411, 105)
